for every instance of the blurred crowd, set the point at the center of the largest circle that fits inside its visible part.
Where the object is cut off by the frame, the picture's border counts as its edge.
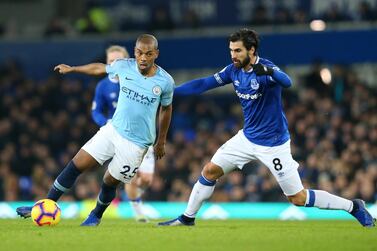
(333, 131)
(104, 17)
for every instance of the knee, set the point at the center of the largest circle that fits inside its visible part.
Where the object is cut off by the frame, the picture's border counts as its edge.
(212, 171)
(84, 161)
(298, 199)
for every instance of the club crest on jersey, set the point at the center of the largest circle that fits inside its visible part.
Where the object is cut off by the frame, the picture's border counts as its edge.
(254, 84)
(156, 90)
(113, 95)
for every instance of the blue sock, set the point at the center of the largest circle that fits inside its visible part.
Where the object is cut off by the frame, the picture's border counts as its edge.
(138, 199)
(311, 198)
(206, 182)
(105, 197)
(64, 181)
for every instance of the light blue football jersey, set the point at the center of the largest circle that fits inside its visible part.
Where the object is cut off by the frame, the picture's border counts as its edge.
(139, 98)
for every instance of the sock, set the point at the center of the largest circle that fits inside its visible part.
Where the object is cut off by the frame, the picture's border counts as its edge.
(64, 181)
(325, 200)
(355, 208)
(140, 192)
(136, 205)
(105, 197)
(201, 191)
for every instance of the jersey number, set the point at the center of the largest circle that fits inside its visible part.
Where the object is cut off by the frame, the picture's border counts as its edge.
(277, 164)
(126, 172)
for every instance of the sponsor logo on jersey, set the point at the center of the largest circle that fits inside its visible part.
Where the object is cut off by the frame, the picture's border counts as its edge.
(156, 90)
(140, 98)
(254, 84)
(236, 83)
(248, 96)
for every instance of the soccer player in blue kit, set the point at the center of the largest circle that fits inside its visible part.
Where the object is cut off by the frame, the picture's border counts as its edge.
(103, 108)
(144, 86)
(258, 83)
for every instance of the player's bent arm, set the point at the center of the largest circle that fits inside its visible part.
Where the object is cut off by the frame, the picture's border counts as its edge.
(89, 69)
(98, 107)
(98, 118)
(282, 78)
(196, 86)
(163, 125)
(164, 122)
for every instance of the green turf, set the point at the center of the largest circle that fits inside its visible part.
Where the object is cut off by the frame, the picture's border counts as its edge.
(229, 235)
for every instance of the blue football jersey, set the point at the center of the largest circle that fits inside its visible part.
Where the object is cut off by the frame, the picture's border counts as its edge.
(105, 100)
(260, 97)
(139, 98)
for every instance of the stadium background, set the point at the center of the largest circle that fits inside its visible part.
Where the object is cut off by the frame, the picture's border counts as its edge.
(327, 47)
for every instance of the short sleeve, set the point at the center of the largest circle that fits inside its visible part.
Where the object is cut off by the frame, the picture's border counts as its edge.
(167, 94)
(113, 68)
(224, 76)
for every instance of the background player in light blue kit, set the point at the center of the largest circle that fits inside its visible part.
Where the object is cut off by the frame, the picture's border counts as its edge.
(103, 108)
(144, 86)
(258, 84)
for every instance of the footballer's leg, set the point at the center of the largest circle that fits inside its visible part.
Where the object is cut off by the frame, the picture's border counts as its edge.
(96, 151)
(105, 197)
(284, 168)
(325, 200)
(135, 190)
(201, 191)
(235, 153)
(122, 168)
(81, 162)
(140, 183)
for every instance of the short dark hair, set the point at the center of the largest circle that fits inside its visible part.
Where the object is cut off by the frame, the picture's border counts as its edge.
(147, 38)
(249, 38)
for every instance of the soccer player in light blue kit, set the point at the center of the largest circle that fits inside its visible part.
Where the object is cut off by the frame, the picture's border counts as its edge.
(258, 83)
(144, 86)
(103, 108)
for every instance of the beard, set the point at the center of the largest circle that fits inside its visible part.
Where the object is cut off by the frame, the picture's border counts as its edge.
(245, 62)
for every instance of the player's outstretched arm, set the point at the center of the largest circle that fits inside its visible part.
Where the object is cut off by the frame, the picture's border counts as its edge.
(89, 69)
(196, 86)
(163, 123)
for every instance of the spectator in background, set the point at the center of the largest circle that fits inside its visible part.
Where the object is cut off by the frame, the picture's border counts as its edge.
(282, 16)
(55, 27)
(96, 20)
(300, 16)
(335, 14)
(190, 19)
(365, 12)
(1, 29)
(260, 16)
(161, 19)
(314, 81)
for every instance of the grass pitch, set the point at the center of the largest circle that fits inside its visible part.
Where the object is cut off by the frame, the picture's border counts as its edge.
(228, 235)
